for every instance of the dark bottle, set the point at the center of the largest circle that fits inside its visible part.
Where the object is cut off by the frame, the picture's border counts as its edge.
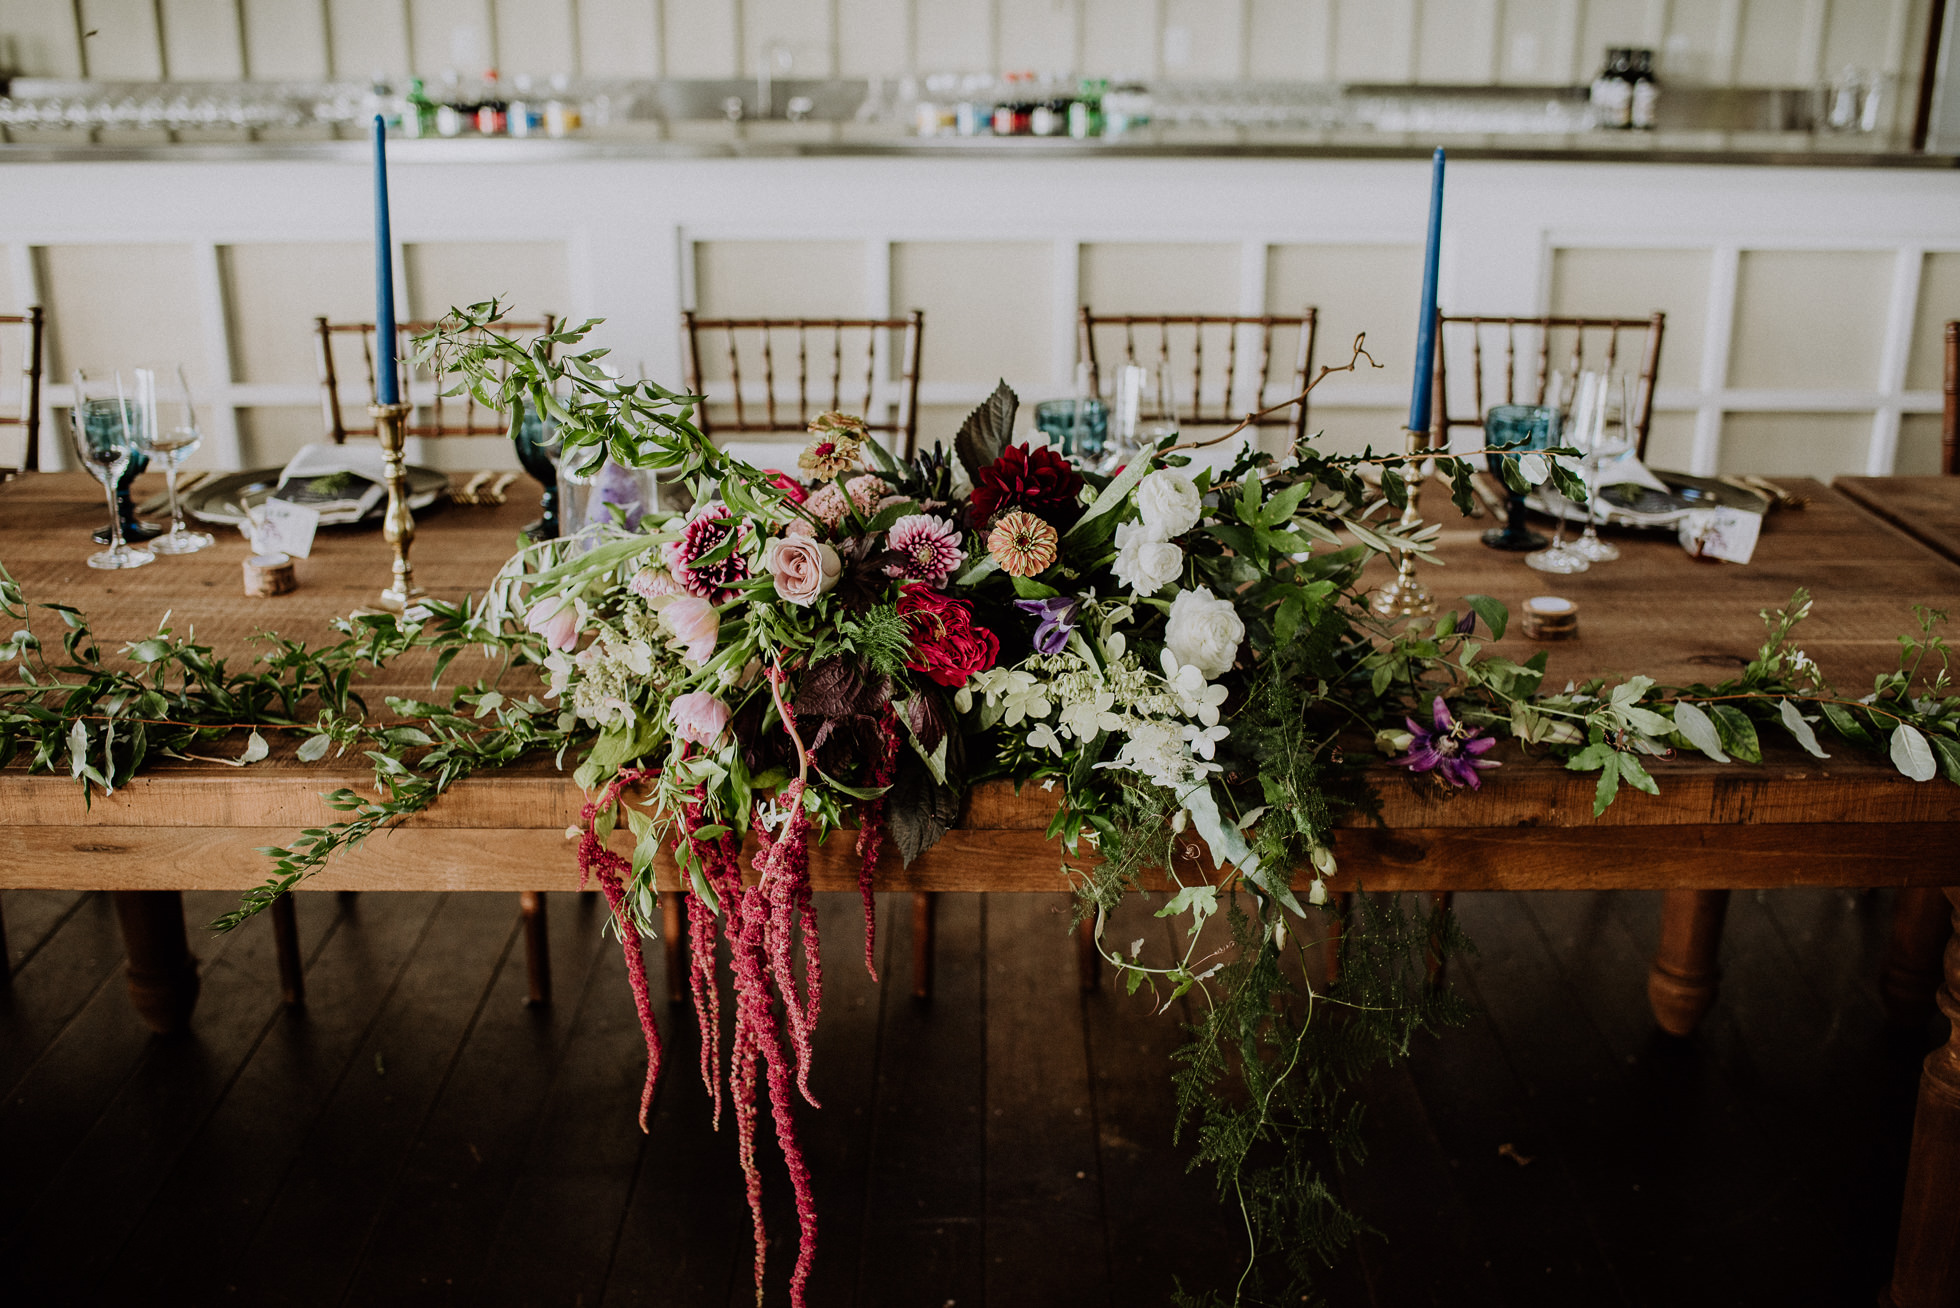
(1612, 90)
(1644, 92)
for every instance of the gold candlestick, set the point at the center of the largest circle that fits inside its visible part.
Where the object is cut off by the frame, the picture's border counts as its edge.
(1405, 597)
(398, 527)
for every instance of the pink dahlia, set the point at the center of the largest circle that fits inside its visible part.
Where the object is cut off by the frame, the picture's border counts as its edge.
(928, 549)
(702, 536)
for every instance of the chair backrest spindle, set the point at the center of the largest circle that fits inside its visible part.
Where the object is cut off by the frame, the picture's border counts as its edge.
(898, 416)
(1453, 326)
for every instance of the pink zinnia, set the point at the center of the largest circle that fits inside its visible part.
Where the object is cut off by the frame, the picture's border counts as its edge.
(929, 546)
(703, 534)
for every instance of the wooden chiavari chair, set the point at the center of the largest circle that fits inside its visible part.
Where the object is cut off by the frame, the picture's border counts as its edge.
(1214, 400)
(734, 406)
(433, 415)
(1513, 358)
(28, 419)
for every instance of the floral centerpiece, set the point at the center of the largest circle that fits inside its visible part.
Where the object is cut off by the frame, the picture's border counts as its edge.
(838, 648)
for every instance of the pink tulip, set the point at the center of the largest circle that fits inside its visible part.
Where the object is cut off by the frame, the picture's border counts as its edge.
(699, 717)
(555, 617)
(694, 623)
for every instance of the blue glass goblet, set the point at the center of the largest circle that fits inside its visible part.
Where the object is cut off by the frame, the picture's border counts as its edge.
(1511, 430)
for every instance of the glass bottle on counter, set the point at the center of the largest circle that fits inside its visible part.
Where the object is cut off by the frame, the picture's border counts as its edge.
(1645, 92)
(454, 115)
(418, 111)
(1612, 90)
(492, 111)
(1085, 115)
(562, 115)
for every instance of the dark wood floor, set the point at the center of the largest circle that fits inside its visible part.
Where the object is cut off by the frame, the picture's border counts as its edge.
(418, 1136)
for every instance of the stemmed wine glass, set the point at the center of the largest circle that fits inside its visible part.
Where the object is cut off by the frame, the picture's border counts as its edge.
(101, 430)
(166, 430)
(1560, 557)
(1608, 437)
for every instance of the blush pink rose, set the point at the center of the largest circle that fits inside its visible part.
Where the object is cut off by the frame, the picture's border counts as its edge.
(803, 568)
(694, 623)
(554, 617)
(699, 717)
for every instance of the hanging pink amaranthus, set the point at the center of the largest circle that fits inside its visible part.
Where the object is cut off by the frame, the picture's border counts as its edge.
(871, 833)
(594, 859)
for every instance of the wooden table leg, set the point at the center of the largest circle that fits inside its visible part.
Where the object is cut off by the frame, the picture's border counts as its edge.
(1926, 1268)
(922, 933)
(537, 946)
(1909, 976)
(1681, 985)
(162, 971)
(673, 933)
(6, 956)
(285, 946)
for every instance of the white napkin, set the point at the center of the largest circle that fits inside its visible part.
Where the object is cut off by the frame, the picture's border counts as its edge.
(324, 458)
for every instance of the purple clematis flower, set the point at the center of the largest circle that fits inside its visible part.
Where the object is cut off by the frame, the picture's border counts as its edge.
(1057, 621)
(1450, 748)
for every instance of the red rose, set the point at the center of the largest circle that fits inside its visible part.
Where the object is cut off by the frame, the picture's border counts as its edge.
(946, 646)
(1033, 478)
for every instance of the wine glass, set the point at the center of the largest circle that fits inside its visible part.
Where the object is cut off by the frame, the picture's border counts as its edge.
(166, 430)
(1559, 557)
(101, 430)
(1609, 437)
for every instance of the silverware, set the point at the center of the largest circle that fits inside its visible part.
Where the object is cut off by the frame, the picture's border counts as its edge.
(161, 500)
(467, 495)
(495, 495)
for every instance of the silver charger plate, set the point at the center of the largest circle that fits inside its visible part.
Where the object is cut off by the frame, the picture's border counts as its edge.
(1639, 506)
(222, 500)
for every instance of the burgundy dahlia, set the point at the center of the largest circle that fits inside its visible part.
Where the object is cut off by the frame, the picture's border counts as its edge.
(1033, 478)
(704, 535)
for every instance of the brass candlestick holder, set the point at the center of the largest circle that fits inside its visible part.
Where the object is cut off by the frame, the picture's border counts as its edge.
(1405, 597)
(398, 527)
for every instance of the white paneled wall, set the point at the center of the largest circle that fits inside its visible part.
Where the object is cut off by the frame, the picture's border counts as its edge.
(1722, 42)
(1804, 304)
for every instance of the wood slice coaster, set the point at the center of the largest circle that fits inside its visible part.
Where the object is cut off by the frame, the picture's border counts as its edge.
(267, 575)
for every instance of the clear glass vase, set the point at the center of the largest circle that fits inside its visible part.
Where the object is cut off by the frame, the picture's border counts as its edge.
(614, 494)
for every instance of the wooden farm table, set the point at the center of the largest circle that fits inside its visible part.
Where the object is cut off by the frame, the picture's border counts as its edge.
(1848, 821)
(1925, 508)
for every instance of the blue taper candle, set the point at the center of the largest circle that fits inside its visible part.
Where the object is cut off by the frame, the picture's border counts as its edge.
(1426, 326)
(384, 273)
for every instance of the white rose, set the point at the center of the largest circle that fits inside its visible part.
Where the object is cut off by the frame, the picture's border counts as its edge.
(1145, 562)
(1204, 631)
(1168, 502)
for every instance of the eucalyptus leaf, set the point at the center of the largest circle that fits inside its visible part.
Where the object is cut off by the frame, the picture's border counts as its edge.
(1800, 729)
(1911, 754)
(1700, 731)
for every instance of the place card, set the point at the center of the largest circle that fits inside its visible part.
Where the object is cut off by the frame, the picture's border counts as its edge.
(1721, 533)
(285, 528)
